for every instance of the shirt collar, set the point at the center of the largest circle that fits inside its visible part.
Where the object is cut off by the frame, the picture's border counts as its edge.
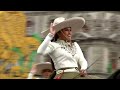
(63, 42)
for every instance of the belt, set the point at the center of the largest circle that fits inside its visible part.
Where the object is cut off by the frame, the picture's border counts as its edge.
(68, 69)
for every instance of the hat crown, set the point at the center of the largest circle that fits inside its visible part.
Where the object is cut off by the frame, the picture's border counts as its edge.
(58, 20)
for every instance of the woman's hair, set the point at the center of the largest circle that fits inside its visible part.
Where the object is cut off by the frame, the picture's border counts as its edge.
(46, 70)
(55, 38)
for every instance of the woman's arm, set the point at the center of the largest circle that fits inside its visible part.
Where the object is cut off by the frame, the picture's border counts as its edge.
(45, 46)
(82, 61)
(46, 43)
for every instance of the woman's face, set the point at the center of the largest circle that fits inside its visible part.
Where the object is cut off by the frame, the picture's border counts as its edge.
(65, 34)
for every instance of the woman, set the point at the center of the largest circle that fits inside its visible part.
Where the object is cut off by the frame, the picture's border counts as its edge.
(65, 54)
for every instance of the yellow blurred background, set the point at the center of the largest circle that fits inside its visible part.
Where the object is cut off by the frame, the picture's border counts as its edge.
(17, 51)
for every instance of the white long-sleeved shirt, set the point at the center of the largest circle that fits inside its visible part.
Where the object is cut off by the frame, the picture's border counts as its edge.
(60, 56)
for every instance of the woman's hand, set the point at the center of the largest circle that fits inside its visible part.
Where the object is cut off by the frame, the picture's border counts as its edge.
(83, 73)
(52, 30)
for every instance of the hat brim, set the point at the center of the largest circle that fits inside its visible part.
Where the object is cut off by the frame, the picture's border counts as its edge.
(42, 66)
(75, 23)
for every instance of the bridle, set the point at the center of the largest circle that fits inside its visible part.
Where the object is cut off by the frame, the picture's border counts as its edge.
(89, 66)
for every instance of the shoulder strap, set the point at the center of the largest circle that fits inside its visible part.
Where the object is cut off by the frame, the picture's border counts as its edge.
(54, 71)
(53, 67)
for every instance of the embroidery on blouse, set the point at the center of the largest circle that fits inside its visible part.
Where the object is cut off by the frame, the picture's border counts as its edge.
(67, 46)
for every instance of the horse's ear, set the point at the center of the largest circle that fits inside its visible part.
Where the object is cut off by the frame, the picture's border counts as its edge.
(115, 75)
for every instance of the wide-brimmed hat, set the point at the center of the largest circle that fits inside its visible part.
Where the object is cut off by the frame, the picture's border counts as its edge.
(42, 66)
(76, 23)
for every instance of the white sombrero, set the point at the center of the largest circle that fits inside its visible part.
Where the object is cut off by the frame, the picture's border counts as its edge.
(42, 66)
(76, 23)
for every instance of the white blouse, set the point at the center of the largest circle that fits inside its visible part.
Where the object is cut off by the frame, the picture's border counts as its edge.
(62, 55)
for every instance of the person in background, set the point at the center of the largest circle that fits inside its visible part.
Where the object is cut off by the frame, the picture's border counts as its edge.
(40, 71)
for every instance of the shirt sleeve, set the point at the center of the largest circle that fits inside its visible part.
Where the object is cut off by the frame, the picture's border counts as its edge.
(46, 47)
(82, 61)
